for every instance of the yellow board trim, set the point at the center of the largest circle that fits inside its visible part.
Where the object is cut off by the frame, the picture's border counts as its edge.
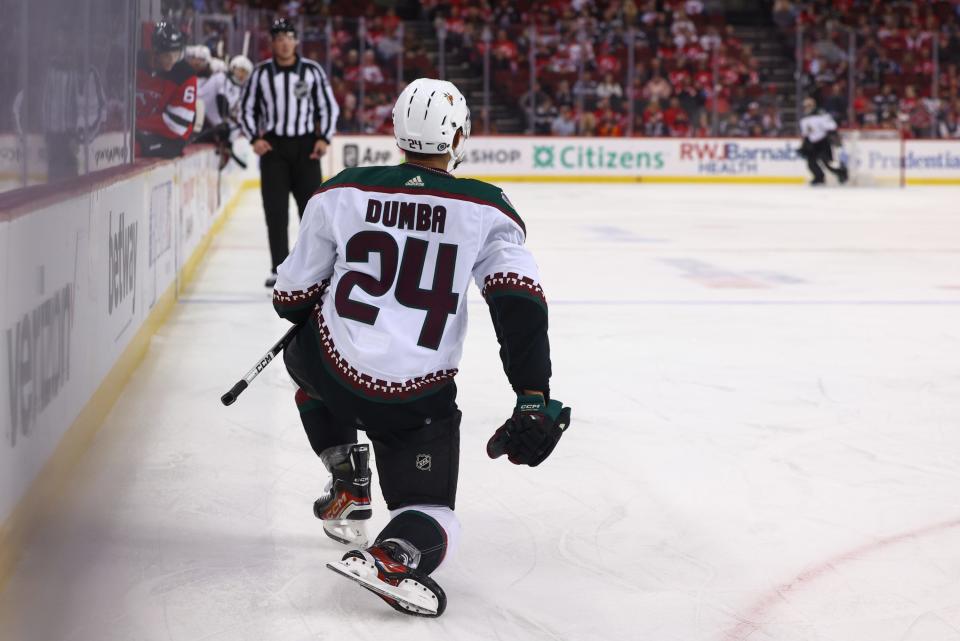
(56, 472)
(752, 180)
(189, 270)
(933, 181)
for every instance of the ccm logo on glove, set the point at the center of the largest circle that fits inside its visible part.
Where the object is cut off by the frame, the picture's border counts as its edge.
(529, 436)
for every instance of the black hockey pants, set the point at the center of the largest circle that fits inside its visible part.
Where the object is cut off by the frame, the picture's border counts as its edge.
(817, 153)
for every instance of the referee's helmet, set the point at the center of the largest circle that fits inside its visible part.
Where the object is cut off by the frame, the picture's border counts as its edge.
(282, 25)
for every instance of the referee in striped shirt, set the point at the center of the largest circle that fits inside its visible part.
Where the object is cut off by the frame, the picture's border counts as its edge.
(289, 114)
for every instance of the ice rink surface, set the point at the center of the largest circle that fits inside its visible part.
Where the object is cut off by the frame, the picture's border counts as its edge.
(765, 445)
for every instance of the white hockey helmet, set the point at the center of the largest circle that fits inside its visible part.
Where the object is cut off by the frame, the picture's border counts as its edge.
(428, 115)
(200, 52)
(217, 65)
(241, 62)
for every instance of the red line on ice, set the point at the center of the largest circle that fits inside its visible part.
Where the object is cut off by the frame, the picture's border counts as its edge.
(751, 620)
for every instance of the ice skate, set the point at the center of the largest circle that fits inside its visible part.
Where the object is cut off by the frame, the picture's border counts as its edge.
(389, 571)
(843, 174)
(345, 506)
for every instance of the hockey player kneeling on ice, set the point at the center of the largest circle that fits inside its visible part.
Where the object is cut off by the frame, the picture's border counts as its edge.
(819, 131)
(379, 277)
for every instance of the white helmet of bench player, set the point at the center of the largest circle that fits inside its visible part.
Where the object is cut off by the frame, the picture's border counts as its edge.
(241, 62)
(427, 117)
(200, 52)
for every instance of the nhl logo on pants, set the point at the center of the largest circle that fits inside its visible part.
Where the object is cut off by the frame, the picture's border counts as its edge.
(423, 462)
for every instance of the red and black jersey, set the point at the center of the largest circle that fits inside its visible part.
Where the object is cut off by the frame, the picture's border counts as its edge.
(166, 108)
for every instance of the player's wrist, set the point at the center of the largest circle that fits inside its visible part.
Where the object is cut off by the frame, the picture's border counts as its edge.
(533, 390)
(532, 396)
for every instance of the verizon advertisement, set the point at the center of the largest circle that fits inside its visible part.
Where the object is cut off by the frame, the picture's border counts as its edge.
(80, 277)
(42, 378)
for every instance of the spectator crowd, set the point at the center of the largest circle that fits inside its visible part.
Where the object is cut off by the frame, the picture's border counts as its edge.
(629, 67)
(904, 62)
(620, 67)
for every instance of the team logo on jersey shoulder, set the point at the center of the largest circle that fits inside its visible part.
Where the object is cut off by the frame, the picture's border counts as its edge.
(300, 89)
(416, 181)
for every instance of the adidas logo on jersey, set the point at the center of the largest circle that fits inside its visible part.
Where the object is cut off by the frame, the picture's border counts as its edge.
(416, 181)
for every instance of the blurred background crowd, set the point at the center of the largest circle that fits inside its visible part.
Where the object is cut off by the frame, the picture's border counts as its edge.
(687, 68)
(877, 63)
(629, 67)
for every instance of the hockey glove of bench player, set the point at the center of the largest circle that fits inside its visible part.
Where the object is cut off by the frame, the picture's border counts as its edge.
(529, 436)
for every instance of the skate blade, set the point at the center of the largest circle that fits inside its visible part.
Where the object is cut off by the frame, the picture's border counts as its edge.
(410, 594)
(347, 531)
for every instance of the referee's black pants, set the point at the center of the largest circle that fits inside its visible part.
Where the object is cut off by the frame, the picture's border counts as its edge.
(288, 167)
(818, 153)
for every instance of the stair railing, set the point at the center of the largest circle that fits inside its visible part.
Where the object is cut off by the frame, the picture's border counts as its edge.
(487, 38)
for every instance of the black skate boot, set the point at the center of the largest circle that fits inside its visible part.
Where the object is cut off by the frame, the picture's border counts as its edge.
(345, 506)
(843, 174)
(388, 569)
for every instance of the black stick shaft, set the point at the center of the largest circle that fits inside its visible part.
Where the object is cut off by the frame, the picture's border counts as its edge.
(243, 383)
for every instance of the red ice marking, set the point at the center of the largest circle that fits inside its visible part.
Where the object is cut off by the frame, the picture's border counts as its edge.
(750, 622)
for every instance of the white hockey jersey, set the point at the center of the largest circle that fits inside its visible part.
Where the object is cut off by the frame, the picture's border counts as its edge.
(817, 126)
(384, 260)
(221, 84)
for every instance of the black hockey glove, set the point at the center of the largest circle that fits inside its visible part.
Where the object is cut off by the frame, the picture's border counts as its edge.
(529, 436)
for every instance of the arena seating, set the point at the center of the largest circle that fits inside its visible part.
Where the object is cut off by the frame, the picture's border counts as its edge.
(897, 49)
(692, 75)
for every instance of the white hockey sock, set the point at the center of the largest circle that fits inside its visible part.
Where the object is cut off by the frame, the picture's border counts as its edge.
(445, 517)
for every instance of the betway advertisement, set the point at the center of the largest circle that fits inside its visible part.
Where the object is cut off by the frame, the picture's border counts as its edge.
(735, 160)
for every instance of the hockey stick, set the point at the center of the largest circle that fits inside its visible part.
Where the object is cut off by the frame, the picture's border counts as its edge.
(239, 161)
(243, 383)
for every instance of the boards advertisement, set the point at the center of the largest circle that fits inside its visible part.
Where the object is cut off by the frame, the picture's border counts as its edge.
(658, 160)
(80, 276)
(50, 294)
